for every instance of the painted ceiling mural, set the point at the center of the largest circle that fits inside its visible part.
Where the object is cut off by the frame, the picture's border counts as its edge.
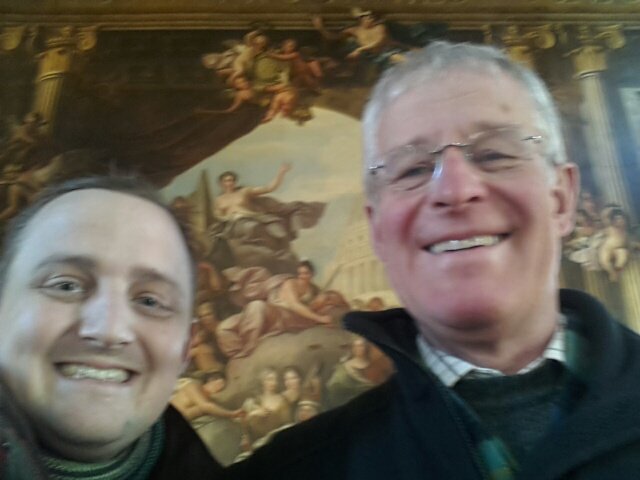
(246, 115)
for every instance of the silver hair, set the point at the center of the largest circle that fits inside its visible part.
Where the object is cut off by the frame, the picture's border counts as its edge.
(429, 63)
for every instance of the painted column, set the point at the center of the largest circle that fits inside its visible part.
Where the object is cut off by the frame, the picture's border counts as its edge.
(589, 61)
(54, 62)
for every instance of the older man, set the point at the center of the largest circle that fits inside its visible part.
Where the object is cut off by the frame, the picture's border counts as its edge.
(95, 314)
(498, 376)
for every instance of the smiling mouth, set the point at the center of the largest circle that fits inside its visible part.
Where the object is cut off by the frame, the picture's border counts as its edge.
(466, 243)
(78, 371)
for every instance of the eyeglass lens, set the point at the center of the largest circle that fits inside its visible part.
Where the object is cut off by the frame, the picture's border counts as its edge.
(492, 152)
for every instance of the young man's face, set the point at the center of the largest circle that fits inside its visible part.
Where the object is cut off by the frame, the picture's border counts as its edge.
(523, 211)
(95, 315)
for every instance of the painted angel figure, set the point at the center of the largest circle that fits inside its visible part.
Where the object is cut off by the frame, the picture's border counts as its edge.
(370, 36)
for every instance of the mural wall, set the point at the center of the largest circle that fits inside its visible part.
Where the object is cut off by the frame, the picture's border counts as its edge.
(248, 122)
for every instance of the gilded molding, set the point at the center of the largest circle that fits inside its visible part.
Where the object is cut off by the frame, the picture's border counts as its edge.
(612, 36)
(598, 2)
(218, 20)
(591, 57)
(87, 38)
(60, 45)
(539, 36)
(11, 37)
(74, 39)
(199, 6)
(519, 42)
(224, 14)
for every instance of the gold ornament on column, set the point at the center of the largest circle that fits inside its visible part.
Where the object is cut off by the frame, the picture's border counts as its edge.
(11, 38)
(590, 57)
(519, 43)
(61, 44)
(87, 38)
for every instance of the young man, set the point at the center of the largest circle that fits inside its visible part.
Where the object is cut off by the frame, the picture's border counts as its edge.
(497, 375)
(96, 294)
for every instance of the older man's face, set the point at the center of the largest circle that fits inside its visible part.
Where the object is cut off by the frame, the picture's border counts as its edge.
(95, 317)
(515, 220)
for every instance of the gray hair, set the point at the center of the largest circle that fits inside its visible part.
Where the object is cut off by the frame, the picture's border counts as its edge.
(424, 65)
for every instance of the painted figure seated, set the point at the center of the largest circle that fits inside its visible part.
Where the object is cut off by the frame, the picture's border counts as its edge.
(278, 304)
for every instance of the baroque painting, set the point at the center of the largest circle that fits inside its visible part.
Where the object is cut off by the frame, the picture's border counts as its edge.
(248, 123)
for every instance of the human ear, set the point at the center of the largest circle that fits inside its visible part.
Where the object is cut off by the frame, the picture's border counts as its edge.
(374, 234)
(565, 190)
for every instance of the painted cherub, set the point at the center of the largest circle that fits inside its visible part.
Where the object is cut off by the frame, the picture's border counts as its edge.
(243, 93)
(371, 37)
(305, 73)
(613, 253)
(283, 102)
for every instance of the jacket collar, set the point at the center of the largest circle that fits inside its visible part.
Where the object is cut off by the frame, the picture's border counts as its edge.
(607, 417)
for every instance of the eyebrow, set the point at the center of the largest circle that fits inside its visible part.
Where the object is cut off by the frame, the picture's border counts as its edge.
(81, 262)
(477, 127)
(152, 275)
(490, 125)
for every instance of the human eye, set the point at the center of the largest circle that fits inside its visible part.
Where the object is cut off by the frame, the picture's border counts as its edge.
(495, 160)
(417, 170)
(491, 156)
(497, 151)
(412, 169)
(64, 287)
(154, 304)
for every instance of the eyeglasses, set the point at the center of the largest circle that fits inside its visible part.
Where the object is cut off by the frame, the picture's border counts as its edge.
(492, 152)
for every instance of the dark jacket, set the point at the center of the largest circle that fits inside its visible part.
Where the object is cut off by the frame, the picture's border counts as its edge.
(183, 456)
(18, 453)
(407, 428)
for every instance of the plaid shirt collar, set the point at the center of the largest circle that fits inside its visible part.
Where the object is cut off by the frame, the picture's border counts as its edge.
(450, 369)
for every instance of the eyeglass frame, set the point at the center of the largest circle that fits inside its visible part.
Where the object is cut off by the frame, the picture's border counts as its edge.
(439, 151)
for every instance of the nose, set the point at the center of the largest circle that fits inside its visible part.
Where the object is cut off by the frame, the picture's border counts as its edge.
(107, 318)
(455, 182)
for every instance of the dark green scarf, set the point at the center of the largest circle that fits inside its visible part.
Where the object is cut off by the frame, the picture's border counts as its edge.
(135, 463)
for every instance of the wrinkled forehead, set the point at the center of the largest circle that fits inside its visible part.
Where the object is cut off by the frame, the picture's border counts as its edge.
(458, 80)
(459, 103)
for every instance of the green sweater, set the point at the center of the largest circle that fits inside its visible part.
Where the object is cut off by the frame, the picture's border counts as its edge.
(517, 408)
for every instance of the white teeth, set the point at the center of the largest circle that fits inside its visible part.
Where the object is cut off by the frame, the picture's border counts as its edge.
(453, 245)
(78, 371)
